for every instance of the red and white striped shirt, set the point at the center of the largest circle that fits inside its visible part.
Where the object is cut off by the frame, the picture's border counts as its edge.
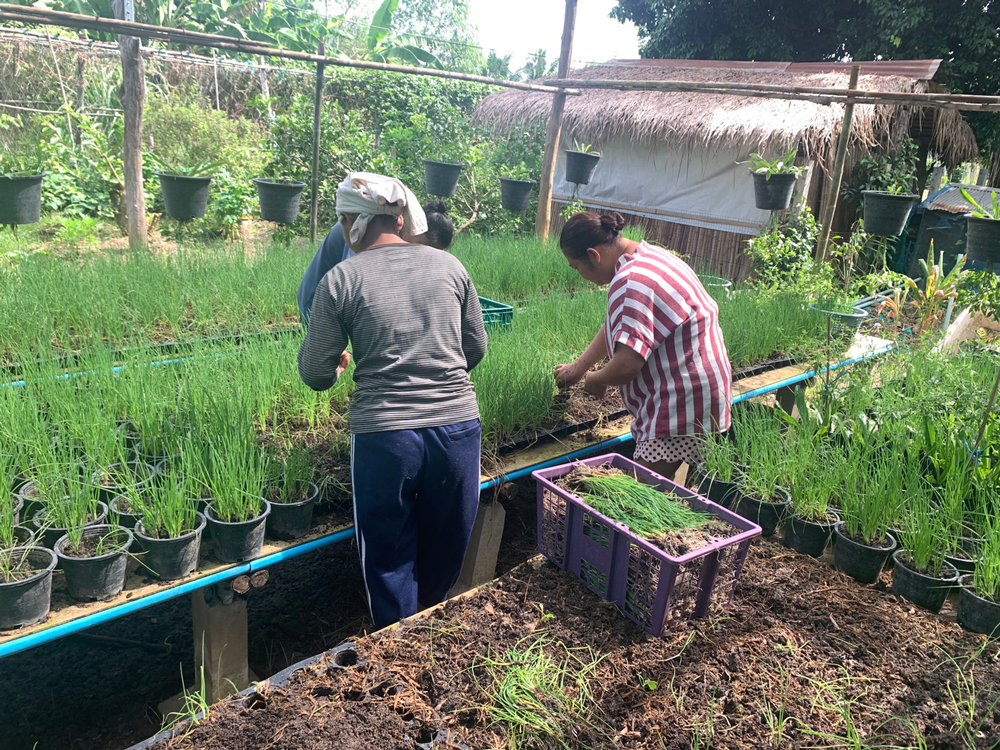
(658, 308)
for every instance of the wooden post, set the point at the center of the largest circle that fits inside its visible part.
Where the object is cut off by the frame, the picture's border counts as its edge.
(829, 207)
(317, 111)
(265, 88)
(133, 92)
(81, 83)
(215, 78)
(543, 218)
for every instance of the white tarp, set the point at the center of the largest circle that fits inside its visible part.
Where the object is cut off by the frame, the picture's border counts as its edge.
(701, 188)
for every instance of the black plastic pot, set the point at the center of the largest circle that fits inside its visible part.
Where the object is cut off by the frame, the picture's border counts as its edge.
(441, 177)
(976, 613)
(30, 499)
(20, 199)
(51, 535)
(726, 494)
(102, 576)
(27, 601)
(170, 559)
(239, 541)
(292, 520)
(886, 214)
(982, 240)
(580, 166)
(859, 561)
(765, 513)
(184, 198)
(279, 199)
(131, 441)
(965, 560)
(23, 536)
(773, 192)
(923, 590)
(140, 468)
(515, 194)
(809, 537)
(127, 518)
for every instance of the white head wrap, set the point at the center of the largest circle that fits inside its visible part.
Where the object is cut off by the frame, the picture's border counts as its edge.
(368, 195)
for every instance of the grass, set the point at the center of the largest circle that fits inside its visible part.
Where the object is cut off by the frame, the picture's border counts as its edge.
(167, 509)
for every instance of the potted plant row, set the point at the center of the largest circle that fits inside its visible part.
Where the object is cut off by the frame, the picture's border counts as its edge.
(774, 180)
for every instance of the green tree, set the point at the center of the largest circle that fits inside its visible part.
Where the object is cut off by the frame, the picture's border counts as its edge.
(537, 66)
(442, 28)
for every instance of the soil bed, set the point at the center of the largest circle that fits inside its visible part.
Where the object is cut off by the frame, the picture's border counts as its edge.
(93, 546)
(803, 648)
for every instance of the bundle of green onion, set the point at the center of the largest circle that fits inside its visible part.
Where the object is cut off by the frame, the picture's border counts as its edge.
(647, 511)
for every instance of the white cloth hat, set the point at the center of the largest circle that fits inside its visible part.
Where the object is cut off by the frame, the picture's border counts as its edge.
(368, 195)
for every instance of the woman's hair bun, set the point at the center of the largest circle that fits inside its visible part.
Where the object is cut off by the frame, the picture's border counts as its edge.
(436, 207)
(613, 222)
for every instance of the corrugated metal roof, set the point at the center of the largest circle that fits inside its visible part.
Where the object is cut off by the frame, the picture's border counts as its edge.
(949, 198)
(918, 70)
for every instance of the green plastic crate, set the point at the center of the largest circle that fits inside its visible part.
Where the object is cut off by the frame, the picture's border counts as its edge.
(496, 314)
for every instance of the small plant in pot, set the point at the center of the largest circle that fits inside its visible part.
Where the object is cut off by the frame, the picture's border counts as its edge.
(21, 174)
(920, 572)
(759, 440)
(979, 597)
(581, 161)
(238, 512)
(25, 585)
(515, 187)
(982, 231)
(810, 520)
(774, 180)
(170, 529)
(121, 477)
(292, 495)
(887, 211)
(11, 533)
(719, 475)
(279, 197)
(94, 559)
(185, 187)
(868, 503)
(66, 503)
(441, 173)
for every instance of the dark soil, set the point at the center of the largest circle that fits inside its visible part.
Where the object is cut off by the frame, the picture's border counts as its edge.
(802, 648)
(92, 545)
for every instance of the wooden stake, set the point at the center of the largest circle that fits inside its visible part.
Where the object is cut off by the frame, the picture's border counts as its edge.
(829, 207)
(553, 130)
(215, 77)
(133, 92)
(317, 111)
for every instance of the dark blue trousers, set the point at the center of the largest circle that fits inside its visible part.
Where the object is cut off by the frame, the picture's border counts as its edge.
(416, 493)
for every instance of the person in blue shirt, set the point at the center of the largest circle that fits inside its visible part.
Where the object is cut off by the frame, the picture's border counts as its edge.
(439, 234)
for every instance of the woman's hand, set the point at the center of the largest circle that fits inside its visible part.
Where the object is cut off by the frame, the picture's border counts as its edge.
(569, 374)
(593, 386)
(345, 362)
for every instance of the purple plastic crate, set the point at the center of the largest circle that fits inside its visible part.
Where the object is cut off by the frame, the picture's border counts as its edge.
(653, 589)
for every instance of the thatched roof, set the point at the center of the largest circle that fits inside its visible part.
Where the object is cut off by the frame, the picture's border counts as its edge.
(747, 123)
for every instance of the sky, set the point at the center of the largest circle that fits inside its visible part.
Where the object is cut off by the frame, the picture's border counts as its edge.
(523, 26)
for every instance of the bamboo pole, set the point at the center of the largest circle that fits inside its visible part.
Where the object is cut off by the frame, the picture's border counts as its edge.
(31, 15)
(317, 113)
(837, 176)
(133, 92)
(553, 129)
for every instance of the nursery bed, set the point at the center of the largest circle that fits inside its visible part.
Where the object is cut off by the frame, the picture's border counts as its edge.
(802, 645)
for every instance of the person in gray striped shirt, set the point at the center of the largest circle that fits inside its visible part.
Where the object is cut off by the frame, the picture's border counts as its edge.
(412, 317)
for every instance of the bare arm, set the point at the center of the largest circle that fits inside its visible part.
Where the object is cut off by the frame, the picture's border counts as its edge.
(596, 351)
(623, 367)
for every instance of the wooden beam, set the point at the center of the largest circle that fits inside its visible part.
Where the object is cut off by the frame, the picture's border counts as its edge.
(553, 130)
(32, 15)
(317, 113)
(133, 93)
(829, 207)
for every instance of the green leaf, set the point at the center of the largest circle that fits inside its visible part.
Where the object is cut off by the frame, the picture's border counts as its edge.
(380, 24)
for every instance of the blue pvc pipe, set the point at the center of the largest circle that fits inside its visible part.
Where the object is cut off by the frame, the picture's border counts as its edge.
(518, 473)
(98, 618)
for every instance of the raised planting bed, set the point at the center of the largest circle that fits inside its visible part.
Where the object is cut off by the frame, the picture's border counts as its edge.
(806, 660)
(674, 566)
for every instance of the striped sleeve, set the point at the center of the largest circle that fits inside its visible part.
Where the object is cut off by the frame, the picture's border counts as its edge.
(641, 318)
(326, 339)
(473, 328)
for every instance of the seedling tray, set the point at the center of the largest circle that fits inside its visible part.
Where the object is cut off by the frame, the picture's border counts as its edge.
(496, 314)
(655, 590)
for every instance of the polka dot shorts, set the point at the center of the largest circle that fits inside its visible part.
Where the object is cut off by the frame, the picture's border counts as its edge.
(684, 448)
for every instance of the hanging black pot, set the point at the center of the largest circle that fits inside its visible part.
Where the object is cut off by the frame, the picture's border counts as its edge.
(170, 559)
(515, 194)
(860, 561)
(441, 177)
(773, 192)
(279, 199)
(292, 520)
(923, 590)
(982, 240)
(237, 541)
(20, 199)
(809, 537)
(976, 613)
(726, 494)
(28, 599)
(97, 575)
(886, 214)
(580, 166)
(184, 198)
(765, 513)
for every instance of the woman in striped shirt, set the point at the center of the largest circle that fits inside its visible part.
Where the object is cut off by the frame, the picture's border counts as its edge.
(663, 339)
